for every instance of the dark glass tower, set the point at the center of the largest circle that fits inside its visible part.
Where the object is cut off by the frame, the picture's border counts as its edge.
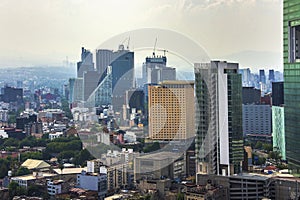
(291, 59)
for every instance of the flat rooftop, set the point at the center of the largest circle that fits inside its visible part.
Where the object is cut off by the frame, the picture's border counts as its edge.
(160, 156)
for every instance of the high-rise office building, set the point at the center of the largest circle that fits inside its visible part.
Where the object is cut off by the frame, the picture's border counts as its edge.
(102, 95)
(103, 59)
(155, 70)
(251, 95)
(291, 60)
(11, 94)
(86, 63)
(262, 76)
(219, 136)
(78, 90)
(114, 75)
(246, 77)
(90, 82)
(171, 110)
(271, 75)
(277, 94)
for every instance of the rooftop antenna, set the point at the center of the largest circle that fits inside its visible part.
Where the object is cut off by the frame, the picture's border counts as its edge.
(154, 47)
(128, 41)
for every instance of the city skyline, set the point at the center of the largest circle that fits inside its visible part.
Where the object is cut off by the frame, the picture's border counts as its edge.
(56, 29)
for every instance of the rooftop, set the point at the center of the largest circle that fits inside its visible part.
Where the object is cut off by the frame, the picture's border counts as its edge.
(160, 156)
(66, 171)
(32, 177)
(35, 164)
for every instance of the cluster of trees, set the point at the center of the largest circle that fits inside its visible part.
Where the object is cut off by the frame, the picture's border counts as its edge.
(11, 144)
(66, 149)
(33, 190)
(151, 147)
(263, 146)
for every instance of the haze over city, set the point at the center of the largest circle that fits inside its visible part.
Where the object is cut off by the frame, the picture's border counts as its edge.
(46, 32)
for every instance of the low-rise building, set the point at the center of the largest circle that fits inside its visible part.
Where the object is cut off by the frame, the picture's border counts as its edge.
(157, 165)
(94, 182)
(52, 136)
(55, 187)
(31, 179)
(36, 165)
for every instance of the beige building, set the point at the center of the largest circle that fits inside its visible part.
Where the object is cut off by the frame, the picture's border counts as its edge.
(171, 110)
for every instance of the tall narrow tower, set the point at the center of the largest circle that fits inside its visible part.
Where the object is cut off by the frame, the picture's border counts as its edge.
(219, 133)
(291, 60)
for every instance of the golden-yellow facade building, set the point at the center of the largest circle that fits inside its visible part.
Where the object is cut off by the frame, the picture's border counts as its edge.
(171, 110)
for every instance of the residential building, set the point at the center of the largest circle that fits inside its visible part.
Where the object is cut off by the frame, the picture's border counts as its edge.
(93, 166)
(291, 59)
(25, 119)
(171, 110)
(190, 159)
(31, 179)
(257, 119)
(93, 181)
(55, 187)
(53, 136)
(219, 131)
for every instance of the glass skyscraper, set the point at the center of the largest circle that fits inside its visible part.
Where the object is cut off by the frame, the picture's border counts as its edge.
(219, 132)
(291, 59)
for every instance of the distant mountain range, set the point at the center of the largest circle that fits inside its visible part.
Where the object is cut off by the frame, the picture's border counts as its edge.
(256, 60)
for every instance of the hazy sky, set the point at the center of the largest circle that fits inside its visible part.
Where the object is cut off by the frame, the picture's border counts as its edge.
(44, 32)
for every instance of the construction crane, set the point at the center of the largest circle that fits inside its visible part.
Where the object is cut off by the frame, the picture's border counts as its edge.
(164, 50)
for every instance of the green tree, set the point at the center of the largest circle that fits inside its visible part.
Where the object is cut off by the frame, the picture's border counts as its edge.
(15, 190)
(152, 147)
(258, 145)
(37, 191)
(22, 171)
(180, 196)
(82, 157)
(267, 147)
(31, 155)
(11, 142)
(3, 170)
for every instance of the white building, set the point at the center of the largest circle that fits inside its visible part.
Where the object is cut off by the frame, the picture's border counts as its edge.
(93, 182)
(130, 137)
(55, 135)
(3, 134)
(4, 115)
(54, 187)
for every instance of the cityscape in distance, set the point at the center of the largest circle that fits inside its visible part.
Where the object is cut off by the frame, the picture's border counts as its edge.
(149, 113)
